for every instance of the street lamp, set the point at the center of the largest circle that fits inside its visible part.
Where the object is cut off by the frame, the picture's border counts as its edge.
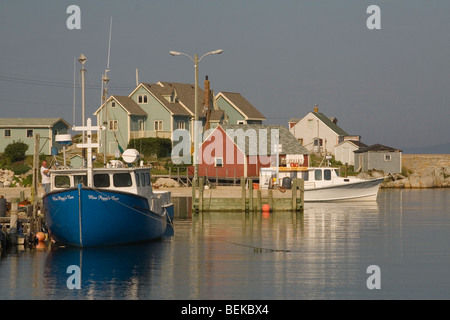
(196, 61)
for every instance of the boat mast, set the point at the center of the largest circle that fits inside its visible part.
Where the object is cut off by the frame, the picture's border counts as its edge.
(88, 145)
(105, 81)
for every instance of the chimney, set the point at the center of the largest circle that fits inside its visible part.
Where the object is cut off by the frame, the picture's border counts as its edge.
(206, 93)
(316, 108)
(207, 107)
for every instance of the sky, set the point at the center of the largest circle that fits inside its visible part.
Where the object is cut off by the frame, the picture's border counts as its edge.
(389, 85)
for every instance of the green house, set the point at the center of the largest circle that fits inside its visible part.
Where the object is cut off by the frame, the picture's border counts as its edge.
(158, 109)
(238, 109)
(25, 130)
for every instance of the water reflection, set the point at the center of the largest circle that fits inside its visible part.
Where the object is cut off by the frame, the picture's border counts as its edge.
(121, 272)
(322, 253)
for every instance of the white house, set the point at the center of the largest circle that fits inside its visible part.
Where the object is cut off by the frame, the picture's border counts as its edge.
(344, 151)
(318, 133)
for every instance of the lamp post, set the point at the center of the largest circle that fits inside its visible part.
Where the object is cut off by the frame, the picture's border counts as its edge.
(196, 61)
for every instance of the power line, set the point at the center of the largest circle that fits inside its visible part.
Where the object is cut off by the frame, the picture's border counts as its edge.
(61, 84)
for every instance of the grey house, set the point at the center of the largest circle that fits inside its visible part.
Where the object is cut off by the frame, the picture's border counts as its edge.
(378, 157)
(25, 130)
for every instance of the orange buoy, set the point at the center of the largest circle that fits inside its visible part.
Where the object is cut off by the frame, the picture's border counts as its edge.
(40, 236)
(265, 208)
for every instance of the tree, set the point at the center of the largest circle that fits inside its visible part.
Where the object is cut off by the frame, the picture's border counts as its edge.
(15, 151)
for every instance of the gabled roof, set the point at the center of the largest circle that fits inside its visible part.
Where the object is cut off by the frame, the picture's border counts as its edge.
(31, 122)
(377, 148)
(129, 105)
(327, 121)
(289, 144)
(242, 105)
(356, 143)
(185, 94)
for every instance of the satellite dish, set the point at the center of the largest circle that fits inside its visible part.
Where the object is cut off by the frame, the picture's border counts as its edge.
(63, 138)
(130, 155)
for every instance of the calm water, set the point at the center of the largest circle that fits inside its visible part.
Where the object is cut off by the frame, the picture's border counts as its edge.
(323, 253)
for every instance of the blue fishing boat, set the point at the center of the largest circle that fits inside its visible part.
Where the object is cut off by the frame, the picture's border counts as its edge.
(92, 207)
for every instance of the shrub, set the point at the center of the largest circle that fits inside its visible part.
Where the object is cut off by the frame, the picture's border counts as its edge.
(161, 147)
(15, 151)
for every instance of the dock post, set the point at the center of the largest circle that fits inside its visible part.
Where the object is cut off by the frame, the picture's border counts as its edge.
(194, 196)
(200, 194)
(298, 187)
(270, 198)
(302, 193)
(12, 233)
(258, 200)
(250, 194)
(243, 194)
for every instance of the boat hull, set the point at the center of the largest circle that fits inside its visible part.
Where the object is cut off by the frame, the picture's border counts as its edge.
(87, 217)
(365, 190)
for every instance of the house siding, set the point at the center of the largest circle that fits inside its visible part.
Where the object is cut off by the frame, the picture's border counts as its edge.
(47, 137)
(120, 136)
(306, 131)
(374, 160)
(155, 112)
(233, 115)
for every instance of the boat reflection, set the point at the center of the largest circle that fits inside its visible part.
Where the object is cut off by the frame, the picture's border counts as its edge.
(117, 272)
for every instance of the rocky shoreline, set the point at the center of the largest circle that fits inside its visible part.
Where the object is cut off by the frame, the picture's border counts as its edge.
(430, 177)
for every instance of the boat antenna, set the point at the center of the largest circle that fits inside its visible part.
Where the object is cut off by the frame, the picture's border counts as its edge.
(74, 81)
(105, 80)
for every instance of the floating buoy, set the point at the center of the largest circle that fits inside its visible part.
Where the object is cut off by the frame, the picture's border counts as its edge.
(40, 236)
(266, 208)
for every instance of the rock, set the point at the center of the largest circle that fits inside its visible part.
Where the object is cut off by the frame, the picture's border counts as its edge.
(364, 176)
(166, 182)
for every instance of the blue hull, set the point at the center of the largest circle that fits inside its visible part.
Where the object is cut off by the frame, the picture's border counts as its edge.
(86, 217)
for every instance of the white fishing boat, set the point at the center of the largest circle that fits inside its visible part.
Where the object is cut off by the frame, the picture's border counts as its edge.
(322, 183)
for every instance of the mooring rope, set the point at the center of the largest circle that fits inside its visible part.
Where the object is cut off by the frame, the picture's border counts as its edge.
(129, 207)
(259, 249)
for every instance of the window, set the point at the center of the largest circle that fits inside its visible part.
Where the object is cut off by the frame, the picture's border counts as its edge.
(7, 133)
(62, 181)
(305, 175)
(387, 157)
(141, 125)
(122, 180)
(142, 98)
(181, 125)
(327, 174)
(158, 125)
(137, 180)
(148, 178)
(30, 133)
(113, 125)
(310, 123)
(101, 180)
(218, 162)
(80, 179)
(241, 122)
(143, 179)
(318, 174)
(113, 104)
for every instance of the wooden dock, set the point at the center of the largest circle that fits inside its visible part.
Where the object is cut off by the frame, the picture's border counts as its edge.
(246, 198)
